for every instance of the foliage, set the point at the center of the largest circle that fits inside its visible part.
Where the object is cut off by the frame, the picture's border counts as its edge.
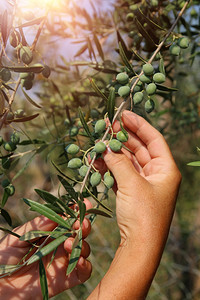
(59, 109)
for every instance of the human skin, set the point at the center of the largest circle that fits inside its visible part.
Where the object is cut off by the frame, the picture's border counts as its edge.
(25, 283)
(147, 184)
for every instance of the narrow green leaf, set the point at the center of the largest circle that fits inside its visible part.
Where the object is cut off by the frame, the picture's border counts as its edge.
(81, 50)
(52, 257)
(23, 119)
(30, 100)
(36, 21)
(39, 233)
(47, 212)
(123, 130)
(47, 249)
(6, 216)
(85, 126)
(54, 208)
(5, 198)
(127, 53)
(10, 232)
(97, 200)
(23, 168)
(125, 59)
(63, 174)
(43, 281)
(144, 33)
(97, 211)
(111, 104)
(34, 68)
(139, 56)
(98, 91)
(69, 188)
(6, 269)
(162, 66)
(98, 45)
(150, 22)
(165, 88)
(82, 210)
(194, 164)
(75, 254)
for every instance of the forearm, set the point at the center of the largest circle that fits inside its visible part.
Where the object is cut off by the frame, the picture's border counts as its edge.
(131, 272)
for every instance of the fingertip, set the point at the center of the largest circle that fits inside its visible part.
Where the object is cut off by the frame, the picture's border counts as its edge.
(84, 269)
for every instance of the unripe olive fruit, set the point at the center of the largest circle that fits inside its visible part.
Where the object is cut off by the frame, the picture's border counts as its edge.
(149, 106)
(115, 145)
(5, 75)
(154, 2)
(133, 7)
(10, 190)
(100, 147)
(100, 126)
(159, 77)
(26, 55)
(151, 89)
(124, 91)
(28, 76)
(46, 72)
(193, 13)
(83, 171)
(73, 131)
(122, 137)
(6, 162)
(72, 149)
(138, 97)
(137, 88)
(27, 84)
(10, 116)
(175, 50)
(15, 138)
(184, 43)
(94, 113)
(108, 181)
(5, 183)
(19, 113)
(130, 17)
(122, 78)
(95, 179)
(148, 69)
(9, 146)
(14, 39)
(75, 163)
(145, 79)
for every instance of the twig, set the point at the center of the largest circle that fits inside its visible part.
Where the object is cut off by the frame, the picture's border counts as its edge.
(124, 102)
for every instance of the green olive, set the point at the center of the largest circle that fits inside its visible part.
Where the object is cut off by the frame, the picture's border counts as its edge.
(100, 147)
(95, 179)
(75, 163)
(72, 149)
(124, 91)
(100, 126)
(148, 69)
(122, 78)
(115, 145)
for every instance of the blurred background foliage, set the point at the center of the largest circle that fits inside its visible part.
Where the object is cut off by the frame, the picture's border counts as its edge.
(76, 42)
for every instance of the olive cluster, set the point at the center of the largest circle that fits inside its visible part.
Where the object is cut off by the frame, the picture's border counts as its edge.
(178, 45)
(81, 163)
(8, 187)
(10, 145)
(145, 87)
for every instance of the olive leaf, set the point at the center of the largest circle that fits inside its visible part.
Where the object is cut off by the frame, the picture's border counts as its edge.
(6, 216)
(76, 252)
(125, 59)
(85, 126)
(50, 214)
(43, 281)
(47, 249)
(97, 90)
(98, 45)
(194, 164)
(111, 104)
(97, 211)
(30, 100)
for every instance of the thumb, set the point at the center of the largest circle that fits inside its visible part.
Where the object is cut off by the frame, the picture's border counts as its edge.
(121, 168)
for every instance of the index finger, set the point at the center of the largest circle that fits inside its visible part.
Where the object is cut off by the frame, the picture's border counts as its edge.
(153, 139)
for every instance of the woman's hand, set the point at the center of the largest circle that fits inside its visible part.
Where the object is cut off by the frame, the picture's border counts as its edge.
(25, 283)
(147, 183)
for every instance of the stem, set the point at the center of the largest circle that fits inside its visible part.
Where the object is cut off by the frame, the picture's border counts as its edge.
(134, 84)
